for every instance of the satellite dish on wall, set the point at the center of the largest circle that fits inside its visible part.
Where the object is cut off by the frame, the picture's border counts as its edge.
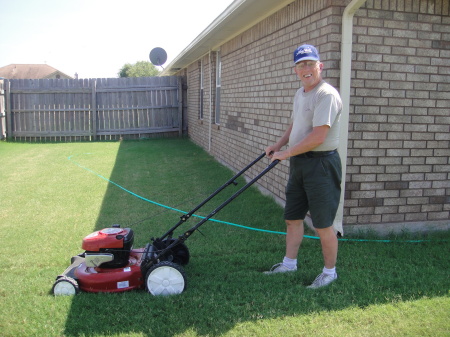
(158, 56)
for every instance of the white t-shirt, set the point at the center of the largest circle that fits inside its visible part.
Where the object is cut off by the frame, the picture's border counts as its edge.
(318, 107)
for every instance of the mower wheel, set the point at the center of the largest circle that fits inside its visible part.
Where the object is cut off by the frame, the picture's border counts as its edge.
(165, 278)
(65, 286)
(180, 253)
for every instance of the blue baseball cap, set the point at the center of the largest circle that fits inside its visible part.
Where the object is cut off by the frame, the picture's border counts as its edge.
(306, 52)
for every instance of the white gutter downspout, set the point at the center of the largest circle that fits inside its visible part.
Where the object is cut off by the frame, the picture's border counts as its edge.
(210, 102)
(345, 85)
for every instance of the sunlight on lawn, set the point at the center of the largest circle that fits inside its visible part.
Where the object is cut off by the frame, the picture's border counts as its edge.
(424, 317)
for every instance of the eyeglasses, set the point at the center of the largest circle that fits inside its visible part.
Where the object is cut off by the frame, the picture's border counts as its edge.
(303, 65)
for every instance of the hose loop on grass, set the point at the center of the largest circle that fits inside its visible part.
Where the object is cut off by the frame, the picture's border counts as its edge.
(230, 223)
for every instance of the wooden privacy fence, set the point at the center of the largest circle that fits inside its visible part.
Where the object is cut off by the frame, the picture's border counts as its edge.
(92, 109)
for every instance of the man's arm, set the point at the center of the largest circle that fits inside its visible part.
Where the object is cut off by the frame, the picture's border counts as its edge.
(281, 142)
(315, 138)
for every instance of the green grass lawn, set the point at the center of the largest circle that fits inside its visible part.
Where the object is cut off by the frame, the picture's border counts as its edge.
(52, 195)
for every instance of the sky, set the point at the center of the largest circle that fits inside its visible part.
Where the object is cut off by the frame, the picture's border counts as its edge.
(95, 38)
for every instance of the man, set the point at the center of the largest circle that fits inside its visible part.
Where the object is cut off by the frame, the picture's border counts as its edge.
(315, 166)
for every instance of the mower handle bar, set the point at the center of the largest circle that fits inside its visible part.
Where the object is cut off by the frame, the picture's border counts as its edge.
(183, 237)
(230, 199)
(232, 180)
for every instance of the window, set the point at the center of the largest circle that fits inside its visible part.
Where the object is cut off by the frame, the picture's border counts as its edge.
(201, 94)
(218, 85)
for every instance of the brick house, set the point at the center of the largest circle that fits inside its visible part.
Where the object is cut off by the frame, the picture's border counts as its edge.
(390, 59)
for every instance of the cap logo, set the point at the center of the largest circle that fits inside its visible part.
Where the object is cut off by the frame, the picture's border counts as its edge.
(305, 51)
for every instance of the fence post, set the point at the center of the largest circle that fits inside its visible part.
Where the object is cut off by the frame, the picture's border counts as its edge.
(9, 117)
(94, 109)
(180, 106)
(2, 110)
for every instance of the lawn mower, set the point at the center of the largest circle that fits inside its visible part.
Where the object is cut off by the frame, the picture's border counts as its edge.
(110, 264)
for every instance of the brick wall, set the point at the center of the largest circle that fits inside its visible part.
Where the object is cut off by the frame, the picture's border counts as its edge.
(398, 162)
(398, 150)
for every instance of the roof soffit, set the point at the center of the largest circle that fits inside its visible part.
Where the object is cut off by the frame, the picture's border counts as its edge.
(237, 18)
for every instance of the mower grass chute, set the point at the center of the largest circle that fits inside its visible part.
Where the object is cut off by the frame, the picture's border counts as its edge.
(110, 264)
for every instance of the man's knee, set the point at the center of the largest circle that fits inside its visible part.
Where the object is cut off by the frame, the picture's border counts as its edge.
(326, 232)
(294, 223)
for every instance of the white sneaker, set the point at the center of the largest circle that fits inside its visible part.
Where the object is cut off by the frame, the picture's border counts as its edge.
(279, 268)
(322, 280)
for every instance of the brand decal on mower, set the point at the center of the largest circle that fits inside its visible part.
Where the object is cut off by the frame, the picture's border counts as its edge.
(123, 284)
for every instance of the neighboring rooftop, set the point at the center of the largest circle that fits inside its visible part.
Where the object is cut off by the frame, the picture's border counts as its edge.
(31, 71)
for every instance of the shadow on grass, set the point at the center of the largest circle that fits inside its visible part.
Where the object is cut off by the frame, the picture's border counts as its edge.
(225, 284)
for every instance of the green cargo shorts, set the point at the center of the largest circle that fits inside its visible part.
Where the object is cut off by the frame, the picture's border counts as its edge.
(314, 185)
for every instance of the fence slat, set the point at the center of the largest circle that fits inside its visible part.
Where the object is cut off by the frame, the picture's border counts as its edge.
(93, 105)
(2, 111)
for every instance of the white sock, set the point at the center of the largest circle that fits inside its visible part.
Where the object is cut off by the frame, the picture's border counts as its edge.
(290, 263)
(331, 272)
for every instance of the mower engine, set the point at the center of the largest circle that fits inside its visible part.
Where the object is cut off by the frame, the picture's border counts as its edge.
(109, 247)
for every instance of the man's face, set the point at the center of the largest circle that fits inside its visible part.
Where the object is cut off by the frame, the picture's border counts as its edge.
(309, 73)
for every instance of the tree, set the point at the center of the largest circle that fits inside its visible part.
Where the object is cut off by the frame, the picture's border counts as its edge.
(139, 69)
